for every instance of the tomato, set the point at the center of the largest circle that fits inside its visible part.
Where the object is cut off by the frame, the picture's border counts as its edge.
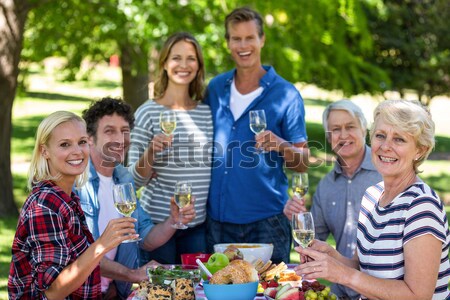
(272, 283)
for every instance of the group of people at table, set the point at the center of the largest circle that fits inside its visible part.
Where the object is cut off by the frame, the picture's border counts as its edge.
(390, 227)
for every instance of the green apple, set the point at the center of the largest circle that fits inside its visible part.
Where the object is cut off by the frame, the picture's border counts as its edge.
(216, 262)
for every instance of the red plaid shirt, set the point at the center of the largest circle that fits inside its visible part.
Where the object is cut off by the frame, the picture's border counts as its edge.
(51, 234)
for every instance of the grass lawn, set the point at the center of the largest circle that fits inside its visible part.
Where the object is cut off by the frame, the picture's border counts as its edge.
(46, 95)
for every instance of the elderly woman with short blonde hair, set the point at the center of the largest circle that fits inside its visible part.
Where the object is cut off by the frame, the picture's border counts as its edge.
(403, 236)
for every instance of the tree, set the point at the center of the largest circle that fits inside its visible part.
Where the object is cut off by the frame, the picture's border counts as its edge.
(322, 42)
(13, 14)
(411, 44)
(134, 29)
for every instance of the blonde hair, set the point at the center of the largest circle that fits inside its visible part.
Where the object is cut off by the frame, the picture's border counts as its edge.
(162, 80)
(410, 117)
(39, 170)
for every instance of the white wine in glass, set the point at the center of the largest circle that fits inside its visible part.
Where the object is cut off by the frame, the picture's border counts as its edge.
(168, 124)
(258, 123)
(182, 195)
(300, 184)
(125, 202)
(303, 228)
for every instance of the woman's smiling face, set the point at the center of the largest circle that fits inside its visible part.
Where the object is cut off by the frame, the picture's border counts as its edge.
(393, 151)
(67, 151)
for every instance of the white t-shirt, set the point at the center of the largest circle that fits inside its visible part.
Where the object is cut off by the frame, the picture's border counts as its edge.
(239, 102)
(107, 212)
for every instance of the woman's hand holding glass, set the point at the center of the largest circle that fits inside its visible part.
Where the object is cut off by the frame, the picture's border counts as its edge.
(320, 260)
(303, 228)
(118, 231)
(168, 124)
(125, 202)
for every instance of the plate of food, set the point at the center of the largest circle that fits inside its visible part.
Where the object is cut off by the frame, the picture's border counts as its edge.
(169, 281)
(308, 290)
(165, 274)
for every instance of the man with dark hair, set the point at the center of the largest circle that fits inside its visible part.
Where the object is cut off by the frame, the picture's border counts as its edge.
(249, 188)
(109, 122)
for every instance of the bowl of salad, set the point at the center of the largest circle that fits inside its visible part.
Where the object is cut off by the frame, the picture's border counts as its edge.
(166, 274)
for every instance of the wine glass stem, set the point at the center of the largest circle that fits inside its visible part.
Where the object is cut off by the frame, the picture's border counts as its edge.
(180, 217)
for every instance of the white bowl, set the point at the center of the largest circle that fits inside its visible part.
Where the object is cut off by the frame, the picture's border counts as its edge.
(251, 251)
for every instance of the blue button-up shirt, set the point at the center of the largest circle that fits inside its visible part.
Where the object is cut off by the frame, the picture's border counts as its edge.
(248, 187)
(126, 252)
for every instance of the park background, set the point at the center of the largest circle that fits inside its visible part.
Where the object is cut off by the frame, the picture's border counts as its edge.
(63, 54)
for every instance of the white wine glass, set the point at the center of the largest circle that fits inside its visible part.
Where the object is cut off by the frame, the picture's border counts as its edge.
(258, 123)
(300, 184)
(182, 196)
(168, 124)
(303, 228)
(125, 202)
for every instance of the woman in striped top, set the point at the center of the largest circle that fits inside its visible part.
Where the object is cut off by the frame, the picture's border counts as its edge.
(403, 236)
(179, 88)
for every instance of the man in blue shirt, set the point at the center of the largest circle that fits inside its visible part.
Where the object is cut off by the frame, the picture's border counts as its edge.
(109, 122)
(249, 188)
(337, 200)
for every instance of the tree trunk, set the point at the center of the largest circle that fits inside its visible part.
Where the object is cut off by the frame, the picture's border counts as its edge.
(135, 75)
(13, 14)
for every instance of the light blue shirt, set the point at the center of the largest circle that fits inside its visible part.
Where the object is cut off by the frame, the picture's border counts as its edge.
(126, 252)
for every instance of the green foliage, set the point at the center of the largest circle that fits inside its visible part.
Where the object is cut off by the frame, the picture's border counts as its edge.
(322, 42)
(412, 45)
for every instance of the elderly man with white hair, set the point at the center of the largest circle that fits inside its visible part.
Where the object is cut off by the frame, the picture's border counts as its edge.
(337, 200)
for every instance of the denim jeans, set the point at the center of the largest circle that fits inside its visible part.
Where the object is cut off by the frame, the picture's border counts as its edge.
(190, 240)
(275, 230)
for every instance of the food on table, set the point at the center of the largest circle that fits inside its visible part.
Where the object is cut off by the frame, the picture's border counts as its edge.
(184, 289)
(216, 262)
(273, 270)
(155, 291)
(310, 290)
(232, 252)
(260, 266)
(260, 289)
(289, 276)
(250, 271)
(315, 290)
(172, 283)
(179, 289)
(238, 271)
(163, 275)
(269, 284)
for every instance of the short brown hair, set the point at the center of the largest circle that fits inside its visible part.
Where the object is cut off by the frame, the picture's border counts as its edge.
(244, 14)
(162, 80)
